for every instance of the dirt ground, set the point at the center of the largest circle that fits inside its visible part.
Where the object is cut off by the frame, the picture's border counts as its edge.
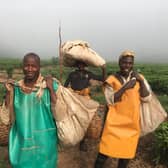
(74, 158)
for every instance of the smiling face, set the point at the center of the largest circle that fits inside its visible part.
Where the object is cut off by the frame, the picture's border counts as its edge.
(31, 67)
(126, 65)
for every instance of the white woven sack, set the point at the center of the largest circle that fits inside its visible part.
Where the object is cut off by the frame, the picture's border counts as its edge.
(73, 114)
(152, 114)
(78, 50)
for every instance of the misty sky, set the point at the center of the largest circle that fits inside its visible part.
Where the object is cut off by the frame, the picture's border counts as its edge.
(110, 26)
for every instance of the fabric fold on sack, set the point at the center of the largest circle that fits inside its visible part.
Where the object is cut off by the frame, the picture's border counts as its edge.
(152, 114)
(73, 114)
(4, 114)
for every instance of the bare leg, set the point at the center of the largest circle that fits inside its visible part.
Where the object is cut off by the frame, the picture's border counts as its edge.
(122, 163)
(83, 146)
(100, 160)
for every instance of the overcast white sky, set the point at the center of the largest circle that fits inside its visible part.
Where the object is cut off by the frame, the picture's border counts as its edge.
(110, 26)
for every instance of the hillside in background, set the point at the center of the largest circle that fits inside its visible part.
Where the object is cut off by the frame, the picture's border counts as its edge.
(156, 74)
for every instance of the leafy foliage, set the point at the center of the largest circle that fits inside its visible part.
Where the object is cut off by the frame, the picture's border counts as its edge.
(157, 76)
(161, 144)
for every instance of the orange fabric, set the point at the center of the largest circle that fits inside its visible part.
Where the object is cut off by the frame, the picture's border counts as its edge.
(83, 92)
(121, 131)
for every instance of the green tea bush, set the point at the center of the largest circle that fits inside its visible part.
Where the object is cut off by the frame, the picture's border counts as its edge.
(9, 71)
(164, 101)
(161, 144)
(6, 63)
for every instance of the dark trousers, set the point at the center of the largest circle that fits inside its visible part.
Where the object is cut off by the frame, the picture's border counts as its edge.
(100, 161)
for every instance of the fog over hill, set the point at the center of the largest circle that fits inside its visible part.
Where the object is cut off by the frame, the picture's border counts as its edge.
(110, 26)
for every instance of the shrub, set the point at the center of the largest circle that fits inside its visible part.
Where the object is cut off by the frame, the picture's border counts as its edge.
(161, 144)
(9, 71)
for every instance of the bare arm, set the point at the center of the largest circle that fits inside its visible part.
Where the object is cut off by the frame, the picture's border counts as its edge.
(143, 89)
(7, 98)
(104, 72)
(49, 83)
(119, 93)
(67, 82)
(98, 77)
(9, 88)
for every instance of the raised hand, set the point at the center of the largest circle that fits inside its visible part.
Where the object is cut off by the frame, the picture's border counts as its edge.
(49, 82)
(9, 84)
(137, 76)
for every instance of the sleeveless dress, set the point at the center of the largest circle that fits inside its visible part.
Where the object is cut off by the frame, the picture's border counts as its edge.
(33, 136)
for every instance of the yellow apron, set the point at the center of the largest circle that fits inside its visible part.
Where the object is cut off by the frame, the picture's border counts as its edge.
(121, 131)
(83, 92)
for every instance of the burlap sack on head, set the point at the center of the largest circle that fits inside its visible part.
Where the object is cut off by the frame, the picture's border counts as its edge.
(73, 114)
(152, 114)
(78, 50)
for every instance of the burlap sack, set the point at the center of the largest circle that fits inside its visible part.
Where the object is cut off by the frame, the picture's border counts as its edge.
(152, 114)
(4, 114)
(4, 125)
(73, 114)
(73, 51)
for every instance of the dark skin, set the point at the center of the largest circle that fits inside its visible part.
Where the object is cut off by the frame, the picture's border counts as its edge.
(49, 83)
(79, 79)
(126, 66)
(31, 70)
(81, 67)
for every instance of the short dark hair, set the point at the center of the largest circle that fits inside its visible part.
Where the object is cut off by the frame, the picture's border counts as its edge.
(33, 55)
